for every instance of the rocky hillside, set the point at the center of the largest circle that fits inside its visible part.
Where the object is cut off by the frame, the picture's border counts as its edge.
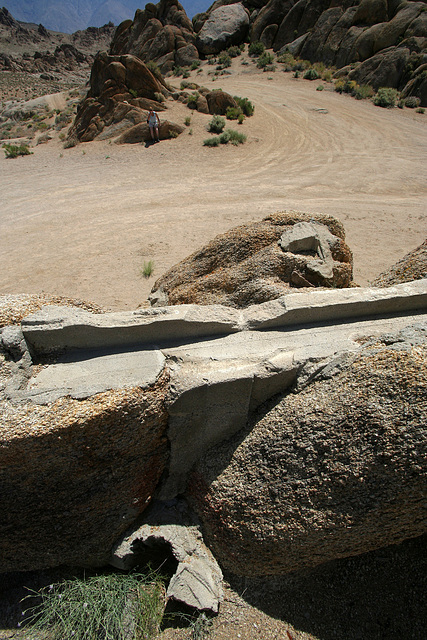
(372, 42)
(34, 49)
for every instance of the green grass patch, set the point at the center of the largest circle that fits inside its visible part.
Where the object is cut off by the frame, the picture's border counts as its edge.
(147, 269)
(103, 607)
(211, 142)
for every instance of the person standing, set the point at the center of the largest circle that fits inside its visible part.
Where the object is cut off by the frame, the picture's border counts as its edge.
(153, 122)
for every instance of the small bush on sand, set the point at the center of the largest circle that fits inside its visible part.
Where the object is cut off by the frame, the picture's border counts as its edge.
(246, 105)
(265, 60)
(230, 135)
(311, 74)
(14, 150)
(224, 60)
(412, 102)
(147, 269)
(233, 113)
(363, 91)
(187, 121)
(256, 49)
(233, 52)
(216, 125)
(211, 142)
(386, 97)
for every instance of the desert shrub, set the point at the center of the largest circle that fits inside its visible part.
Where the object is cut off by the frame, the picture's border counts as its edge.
(14, 150)
(211, 60)
(187, 121)
(245, 105)
(177, 71)
(224, 60)
(99, 608)
(327, 75)
(386, 97)
(192, 100)
(159, 96)
(256, 49)
(311, 74)
(211, 142)
(147, 269)
(345, 86)
(412, 102)
(233, 52)
(420, 110)
(173, 134)
(296, 74)
(230, 135)
(216, 125)
(401, 104)
(133, 93)
(155, 69)
(240, 118)
(264, 60)
(233, 113)
(286, 58)
(320, 87)
(195, 65)
(363, 91)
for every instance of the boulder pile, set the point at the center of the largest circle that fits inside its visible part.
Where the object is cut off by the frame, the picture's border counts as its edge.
(162, 33)
(122, 90)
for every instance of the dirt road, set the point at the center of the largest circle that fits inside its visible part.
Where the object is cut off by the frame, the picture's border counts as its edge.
(81, 222)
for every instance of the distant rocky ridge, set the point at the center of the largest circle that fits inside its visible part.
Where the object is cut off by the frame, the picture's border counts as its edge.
(34, 49)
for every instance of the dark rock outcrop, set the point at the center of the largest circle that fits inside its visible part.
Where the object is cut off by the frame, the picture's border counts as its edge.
(261, 261)
(161, 33)
(335, 470)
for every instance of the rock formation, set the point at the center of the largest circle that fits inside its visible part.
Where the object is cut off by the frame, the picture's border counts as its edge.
(378, 43)
(259, 262)
(161, 33)
(122, 90)
(334, 470)
(411, 267)
(100, 413)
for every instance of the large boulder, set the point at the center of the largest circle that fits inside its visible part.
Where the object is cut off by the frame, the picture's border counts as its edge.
(334, 470)
(411, 267)
(261, 261)
(226, 26)
(63, 497)
(219, 101)
(385, 69)
(161, 33)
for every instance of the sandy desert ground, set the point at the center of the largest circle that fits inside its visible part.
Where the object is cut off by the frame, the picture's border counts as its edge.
(81, 222)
